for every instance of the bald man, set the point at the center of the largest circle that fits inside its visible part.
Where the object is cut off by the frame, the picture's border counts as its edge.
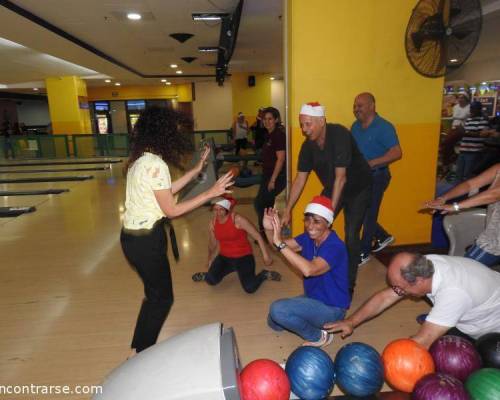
(378, 141)
(465, 295)
(331, 152)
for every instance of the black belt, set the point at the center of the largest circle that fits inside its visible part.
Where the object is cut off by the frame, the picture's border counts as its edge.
(380, 168)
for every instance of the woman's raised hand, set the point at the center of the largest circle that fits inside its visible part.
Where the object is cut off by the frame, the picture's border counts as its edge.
(221, 186)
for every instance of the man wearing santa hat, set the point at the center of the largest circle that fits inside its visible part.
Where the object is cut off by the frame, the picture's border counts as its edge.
(321, 257)
(331, 152)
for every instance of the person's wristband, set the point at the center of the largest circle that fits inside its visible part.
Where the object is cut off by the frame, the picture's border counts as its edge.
(456, 206)
(280, 246)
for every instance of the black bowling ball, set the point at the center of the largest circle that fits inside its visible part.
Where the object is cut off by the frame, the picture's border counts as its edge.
(488, 347)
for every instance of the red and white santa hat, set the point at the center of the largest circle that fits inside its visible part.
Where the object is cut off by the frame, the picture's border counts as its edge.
(226, 202)
(313, 109)
(322, 206)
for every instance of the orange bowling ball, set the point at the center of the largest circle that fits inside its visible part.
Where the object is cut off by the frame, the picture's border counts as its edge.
(405, 362)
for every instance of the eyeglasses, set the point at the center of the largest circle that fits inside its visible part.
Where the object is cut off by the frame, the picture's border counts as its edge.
(398, 290)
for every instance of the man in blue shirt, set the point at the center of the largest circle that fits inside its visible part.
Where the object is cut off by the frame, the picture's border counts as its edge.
(378, 141)
(321, 257)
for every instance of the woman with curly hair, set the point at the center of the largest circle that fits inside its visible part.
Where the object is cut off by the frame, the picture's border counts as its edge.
(160, 139)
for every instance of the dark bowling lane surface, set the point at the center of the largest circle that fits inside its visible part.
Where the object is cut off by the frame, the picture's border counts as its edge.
(36, 163)
(48, 179)
(7, 212)
(32, 192)
(31, 171)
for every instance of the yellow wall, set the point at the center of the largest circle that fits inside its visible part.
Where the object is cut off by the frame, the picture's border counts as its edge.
(65, 94)
(181, 93)
(248, 99)
(349, 48)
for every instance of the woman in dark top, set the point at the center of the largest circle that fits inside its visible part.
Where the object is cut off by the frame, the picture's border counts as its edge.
(273, 163)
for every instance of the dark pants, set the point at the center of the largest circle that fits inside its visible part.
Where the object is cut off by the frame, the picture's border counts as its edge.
(240, 144)
(371, 228)
(266, 198)
(244, 266)
(147, 254)
(354, 213)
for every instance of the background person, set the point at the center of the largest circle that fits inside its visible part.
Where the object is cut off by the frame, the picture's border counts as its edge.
(273, 163)
(157, 142)
(240, 132)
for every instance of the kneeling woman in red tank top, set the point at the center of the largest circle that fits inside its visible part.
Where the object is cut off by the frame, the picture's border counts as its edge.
(228, 234)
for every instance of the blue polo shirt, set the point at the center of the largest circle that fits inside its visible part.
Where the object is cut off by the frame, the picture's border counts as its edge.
(332, 287)
(376, 139)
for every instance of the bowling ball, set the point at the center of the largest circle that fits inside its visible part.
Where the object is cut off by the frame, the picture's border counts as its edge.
(439, 387)
(405, 362)
(484, 384)
(359, 370)
(311, 373)
(235, 170)
(455, 356)
(488, 347)
(264, 380)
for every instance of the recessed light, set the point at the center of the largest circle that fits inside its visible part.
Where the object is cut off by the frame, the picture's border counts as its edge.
(208, 16)
(484, 83)
(163, 80)
(272, 78)
(453, 60)
(168, 83)
(35, 89)
(118, 84)
(173, 65)
(178, 72)
(107, 80)
(134, 16)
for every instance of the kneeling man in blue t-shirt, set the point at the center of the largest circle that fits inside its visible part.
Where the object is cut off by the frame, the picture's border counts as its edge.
(321, 257)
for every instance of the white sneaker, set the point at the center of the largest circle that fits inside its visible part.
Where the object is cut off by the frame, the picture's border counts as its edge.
(325, 339)
(379, 245)
(363, 259)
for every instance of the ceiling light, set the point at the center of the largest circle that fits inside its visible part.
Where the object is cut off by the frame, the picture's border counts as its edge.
(178, 72)
(173, 65)
(272, 78)
(168, 83)
(35, 89)
(163, 80)
(453, 60)
(208, 16)
(107, 80)
(118, 84)
(484, 83)
(208, 49)
(134, 16)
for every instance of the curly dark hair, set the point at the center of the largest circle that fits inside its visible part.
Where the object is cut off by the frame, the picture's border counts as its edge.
(164, 132)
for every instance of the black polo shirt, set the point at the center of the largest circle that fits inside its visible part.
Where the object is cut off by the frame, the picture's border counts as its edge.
(340, 150)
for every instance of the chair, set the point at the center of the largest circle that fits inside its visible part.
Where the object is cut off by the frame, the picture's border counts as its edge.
(463, 228)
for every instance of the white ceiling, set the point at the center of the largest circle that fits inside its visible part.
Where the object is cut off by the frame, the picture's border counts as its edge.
(142, 45)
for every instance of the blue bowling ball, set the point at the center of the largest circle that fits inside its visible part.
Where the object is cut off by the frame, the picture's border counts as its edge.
(359, 369)
(311, 373)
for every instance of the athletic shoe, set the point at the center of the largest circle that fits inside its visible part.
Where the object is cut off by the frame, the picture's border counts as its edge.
(199, 276)
(325, 339)
(363, 259)
(380, 244)
(272, 275)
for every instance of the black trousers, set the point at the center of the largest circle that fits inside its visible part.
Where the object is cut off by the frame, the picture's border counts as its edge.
(147, 254)
(240, 144)
(265, 198)
(355, 208)
(244, 266)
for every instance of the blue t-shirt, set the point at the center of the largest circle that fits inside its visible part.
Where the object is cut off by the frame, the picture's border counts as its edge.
(332, 287)
(376, 139)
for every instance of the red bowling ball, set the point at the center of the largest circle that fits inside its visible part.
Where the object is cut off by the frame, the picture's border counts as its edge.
(264, 380)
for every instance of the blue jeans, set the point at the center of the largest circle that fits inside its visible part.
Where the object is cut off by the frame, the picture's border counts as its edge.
(466, 163)
(478, 254)
(303, 316)
(371, 228)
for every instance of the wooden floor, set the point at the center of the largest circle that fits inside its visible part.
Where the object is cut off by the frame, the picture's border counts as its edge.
(69, 300)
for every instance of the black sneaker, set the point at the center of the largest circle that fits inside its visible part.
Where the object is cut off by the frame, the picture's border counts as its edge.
(363, 259)
(381, 244)
(199, 276)
(272, 275)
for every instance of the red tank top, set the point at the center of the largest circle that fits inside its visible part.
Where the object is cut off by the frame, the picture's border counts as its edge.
(233, 242)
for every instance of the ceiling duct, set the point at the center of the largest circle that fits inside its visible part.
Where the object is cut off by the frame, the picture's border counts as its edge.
(181, 37)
